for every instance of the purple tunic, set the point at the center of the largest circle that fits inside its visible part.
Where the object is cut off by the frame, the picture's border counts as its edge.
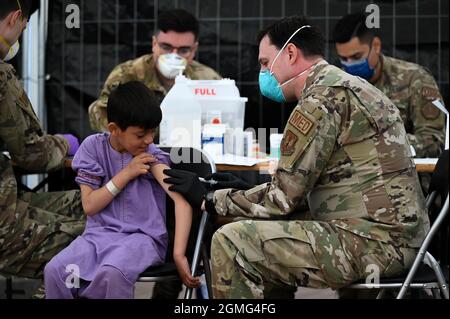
(130, 233)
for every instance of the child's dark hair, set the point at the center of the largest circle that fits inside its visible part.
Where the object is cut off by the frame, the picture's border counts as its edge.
(133, 104)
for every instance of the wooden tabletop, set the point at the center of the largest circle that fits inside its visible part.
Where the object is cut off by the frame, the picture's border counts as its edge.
(422, 166)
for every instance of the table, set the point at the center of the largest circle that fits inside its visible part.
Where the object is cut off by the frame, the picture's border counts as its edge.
(423, 165)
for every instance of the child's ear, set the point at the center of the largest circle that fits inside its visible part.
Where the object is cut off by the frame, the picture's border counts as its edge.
(113, 128)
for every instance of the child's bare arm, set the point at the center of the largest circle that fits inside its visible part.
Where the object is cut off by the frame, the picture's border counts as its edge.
(183, 222)
(94, 201)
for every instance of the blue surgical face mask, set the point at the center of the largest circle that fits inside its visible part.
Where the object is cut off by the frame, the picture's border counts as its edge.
(269, 85)
(359, 68)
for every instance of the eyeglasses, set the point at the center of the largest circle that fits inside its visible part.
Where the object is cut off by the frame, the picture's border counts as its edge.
(182, 51)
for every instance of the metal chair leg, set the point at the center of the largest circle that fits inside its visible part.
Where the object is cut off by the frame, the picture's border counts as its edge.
(198, 243)
(381, 294)
(207, 270)
(438, 273)
(436, 294)
(423, 250)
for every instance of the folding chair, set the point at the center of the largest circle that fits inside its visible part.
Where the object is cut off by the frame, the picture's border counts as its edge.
(194, 160)
(426, 272)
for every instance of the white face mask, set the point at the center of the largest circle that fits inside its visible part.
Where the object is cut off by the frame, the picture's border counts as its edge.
(12, 49)
(171, 64)
(12, 52)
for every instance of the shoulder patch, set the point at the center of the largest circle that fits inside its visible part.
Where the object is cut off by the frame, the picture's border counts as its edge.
(288, 142)
(430, 94)
(298, 134)
(430, 112)
(301, 122)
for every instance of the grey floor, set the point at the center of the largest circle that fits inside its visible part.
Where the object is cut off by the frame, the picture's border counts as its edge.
(144, 290)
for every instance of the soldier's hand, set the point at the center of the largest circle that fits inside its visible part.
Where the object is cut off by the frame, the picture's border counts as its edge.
(140, 165)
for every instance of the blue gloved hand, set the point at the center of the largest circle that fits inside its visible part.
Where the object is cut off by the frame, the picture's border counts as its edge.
(73, 143)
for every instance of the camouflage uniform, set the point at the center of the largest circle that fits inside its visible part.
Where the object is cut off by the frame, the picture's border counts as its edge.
(33, 226)
(345, 150)
(140, 69)
(413, 89)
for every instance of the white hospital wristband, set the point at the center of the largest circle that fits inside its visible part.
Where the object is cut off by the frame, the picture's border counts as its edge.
(113, 189)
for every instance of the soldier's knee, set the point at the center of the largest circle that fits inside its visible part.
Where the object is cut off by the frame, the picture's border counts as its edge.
(223, 234)
(217, 239)
(234, 230)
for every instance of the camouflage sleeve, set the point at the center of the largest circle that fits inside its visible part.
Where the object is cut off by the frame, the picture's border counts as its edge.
(29, 146)
(198, 71)
(308, 142)
(212, 75)
(97, 110)
(428, 121)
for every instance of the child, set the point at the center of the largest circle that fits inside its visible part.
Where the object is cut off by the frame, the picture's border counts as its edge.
(120, 175)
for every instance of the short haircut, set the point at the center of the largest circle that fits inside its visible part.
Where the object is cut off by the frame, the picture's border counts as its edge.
(133, 104)
(309, 40)
(177, 20)
(353, 25)
(27, 7)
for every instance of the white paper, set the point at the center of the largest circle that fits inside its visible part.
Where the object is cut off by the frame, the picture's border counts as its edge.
(425, 161)
(441, 107)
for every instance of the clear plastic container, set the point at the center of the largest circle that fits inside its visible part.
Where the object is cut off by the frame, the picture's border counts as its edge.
(181, 116)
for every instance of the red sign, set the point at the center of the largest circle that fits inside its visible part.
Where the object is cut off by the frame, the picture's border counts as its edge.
(205, 92)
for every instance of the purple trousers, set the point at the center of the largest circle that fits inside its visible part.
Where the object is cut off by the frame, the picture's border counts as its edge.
(109, 283)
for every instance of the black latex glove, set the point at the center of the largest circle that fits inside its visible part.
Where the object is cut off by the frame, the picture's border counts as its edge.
(187, 184)
(228, 180)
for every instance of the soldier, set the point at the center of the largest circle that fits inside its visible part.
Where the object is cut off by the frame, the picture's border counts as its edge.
(174, 46)
(33, 226)
(411, 87)
(345, 151)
